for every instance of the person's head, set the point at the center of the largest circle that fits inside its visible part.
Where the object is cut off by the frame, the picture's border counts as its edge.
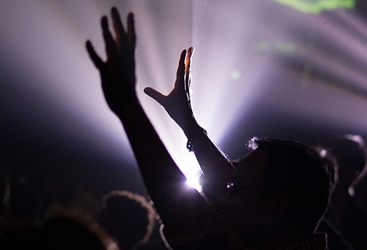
(350, 154)
(72, 229)
(279, 185)
(128, 217)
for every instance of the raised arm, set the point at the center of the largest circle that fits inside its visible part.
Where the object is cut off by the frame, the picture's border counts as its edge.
(181, 209)
(215, 166)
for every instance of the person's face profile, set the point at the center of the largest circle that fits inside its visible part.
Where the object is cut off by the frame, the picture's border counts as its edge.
(249, 169)
(244, 204)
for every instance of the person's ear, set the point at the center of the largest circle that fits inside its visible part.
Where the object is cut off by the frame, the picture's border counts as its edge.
(279, 206)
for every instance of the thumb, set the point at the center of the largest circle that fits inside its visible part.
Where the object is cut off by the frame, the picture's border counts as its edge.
(159, 97)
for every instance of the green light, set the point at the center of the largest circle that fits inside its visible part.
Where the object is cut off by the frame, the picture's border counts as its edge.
(316, 6)
(286, 48)
(261, 46)
(235, 74)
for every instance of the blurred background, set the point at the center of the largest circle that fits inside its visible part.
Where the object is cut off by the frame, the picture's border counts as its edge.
(291, 69)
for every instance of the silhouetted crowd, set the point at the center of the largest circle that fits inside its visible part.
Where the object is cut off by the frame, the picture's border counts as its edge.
(280, 195)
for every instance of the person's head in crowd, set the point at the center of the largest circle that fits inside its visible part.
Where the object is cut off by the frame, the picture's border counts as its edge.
(72, 229)
(281, 190)
(350, 153)
(128, 217)
(62, 229)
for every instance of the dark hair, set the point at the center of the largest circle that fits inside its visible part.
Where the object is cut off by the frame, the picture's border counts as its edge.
(349, 151)
(72, 229)
(299, 171)
(132, 215)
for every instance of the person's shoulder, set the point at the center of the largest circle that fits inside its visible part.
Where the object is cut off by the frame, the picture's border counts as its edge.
(335, 239)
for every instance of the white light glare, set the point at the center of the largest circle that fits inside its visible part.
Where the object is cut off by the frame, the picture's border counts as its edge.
(193, 182)
(191, 170)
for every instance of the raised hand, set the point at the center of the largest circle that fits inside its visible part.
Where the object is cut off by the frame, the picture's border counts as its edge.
(118, 72)
(177, 103)
(181, 209)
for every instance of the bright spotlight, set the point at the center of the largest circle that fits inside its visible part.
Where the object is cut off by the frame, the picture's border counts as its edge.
(193, 182)
(191, 170)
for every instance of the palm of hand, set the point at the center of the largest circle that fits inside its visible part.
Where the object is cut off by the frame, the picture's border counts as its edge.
(176, 102)
(118, 72)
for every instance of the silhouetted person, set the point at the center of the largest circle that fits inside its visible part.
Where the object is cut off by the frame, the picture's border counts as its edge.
(64, 229)
(128, 217)
(73, 230)
(343, 212)
(274, 199)
(358, 189)
(336, 241)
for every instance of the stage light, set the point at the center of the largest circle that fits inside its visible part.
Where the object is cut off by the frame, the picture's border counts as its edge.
(248, 54)
(193, 182)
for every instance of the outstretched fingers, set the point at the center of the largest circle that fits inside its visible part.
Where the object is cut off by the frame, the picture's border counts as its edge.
(93, 55)
(180, 75)
(109, 41)
(189, 54)
(131, 36)
(118, 28)
(159, 97)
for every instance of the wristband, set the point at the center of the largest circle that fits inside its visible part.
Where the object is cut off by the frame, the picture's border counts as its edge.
(193, 135)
